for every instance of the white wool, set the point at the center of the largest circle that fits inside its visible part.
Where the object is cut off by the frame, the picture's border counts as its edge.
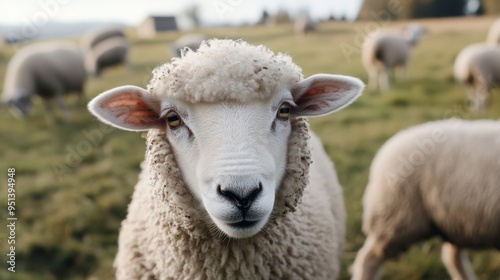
(96, 36)
(198, 76)
(493, 36)
(384, 49)
(20, 72)
(393, 46)
(167, 233)
(478, 67)
(435, 179)
(105, 47)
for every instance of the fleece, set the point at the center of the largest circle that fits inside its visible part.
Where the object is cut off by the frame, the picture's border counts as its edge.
(167, 233)
(439, 178)
(46, 69)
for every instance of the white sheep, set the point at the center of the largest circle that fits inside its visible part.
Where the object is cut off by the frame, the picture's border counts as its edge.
(222, 193)
(104, 48)
(436, 179)
(384, 50)
(190, 41)
(303, 25)
(49, 70)
(493, 36)
(477, 66)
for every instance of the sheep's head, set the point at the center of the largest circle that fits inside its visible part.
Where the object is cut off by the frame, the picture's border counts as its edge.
(18, 102)
(413, 33)
(231, 148)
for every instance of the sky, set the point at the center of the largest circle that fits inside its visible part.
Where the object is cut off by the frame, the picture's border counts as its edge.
(20, 12)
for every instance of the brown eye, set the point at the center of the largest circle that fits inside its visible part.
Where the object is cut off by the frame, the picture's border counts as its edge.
(173, 119)
(284, 111)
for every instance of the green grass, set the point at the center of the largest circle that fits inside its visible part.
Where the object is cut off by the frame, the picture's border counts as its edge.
(69, 206)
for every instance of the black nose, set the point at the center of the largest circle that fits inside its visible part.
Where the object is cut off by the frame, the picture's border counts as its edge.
(243, 199)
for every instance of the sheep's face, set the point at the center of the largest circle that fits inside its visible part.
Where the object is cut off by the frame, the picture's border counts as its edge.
(19, 103)
(232, 154)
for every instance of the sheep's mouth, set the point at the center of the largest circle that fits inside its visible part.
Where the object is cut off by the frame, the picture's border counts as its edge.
(243, 224)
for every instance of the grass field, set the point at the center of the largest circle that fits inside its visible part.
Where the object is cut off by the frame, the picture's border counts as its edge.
(74, 181)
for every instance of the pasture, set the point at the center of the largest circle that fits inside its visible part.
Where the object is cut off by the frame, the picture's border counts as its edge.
(74, 181)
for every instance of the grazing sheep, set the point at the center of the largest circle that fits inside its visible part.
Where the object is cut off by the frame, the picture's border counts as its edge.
(104, 48)
(191, 41)
(384, 50)
(477, 66)
(494, 33)
(440, 178)
(222, 193)
(48, 70)
(304, 25)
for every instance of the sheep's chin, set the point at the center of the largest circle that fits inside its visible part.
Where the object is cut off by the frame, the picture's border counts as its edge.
(239, 232)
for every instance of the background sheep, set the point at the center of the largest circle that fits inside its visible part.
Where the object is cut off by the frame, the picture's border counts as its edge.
(221, 119)
(384, 50)
(105, 48)
(477, 66)
(48, 70)
(493, 37)
(191, 41)
(440, 178)
(303, 25)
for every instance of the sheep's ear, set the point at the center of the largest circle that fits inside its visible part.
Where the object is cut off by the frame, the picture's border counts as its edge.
(322, 93)
(127, 107)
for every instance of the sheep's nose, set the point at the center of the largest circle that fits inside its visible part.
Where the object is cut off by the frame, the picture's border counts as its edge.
(243, 199)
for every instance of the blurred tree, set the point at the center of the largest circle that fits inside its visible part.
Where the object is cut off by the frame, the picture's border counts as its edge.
(264, 17)
(331, 18)
(280, 17)
(396, 9)
(372, 7)
(490, 7)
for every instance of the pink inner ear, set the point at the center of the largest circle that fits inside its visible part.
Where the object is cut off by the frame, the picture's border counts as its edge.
(323, 89)
(318, 97)
(130, 104)
(313, 92)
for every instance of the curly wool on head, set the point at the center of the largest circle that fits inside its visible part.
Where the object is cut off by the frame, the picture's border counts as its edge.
(218, 62)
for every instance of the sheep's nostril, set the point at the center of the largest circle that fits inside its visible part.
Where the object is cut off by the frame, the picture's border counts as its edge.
(242, 199)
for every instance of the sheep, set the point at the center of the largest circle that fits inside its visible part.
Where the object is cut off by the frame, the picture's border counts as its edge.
(477, 66)
(303, 25)
(190, 41)
(493, 36)
(104, 48)
(222, 193)
(436, 179)
(49, 70)
(384, 50)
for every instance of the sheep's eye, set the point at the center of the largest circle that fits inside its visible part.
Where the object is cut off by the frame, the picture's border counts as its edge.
(284, 111)
(173, 119)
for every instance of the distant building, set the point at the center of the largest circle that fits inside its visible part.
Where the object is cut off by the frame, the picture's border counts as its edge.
(154, 24)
